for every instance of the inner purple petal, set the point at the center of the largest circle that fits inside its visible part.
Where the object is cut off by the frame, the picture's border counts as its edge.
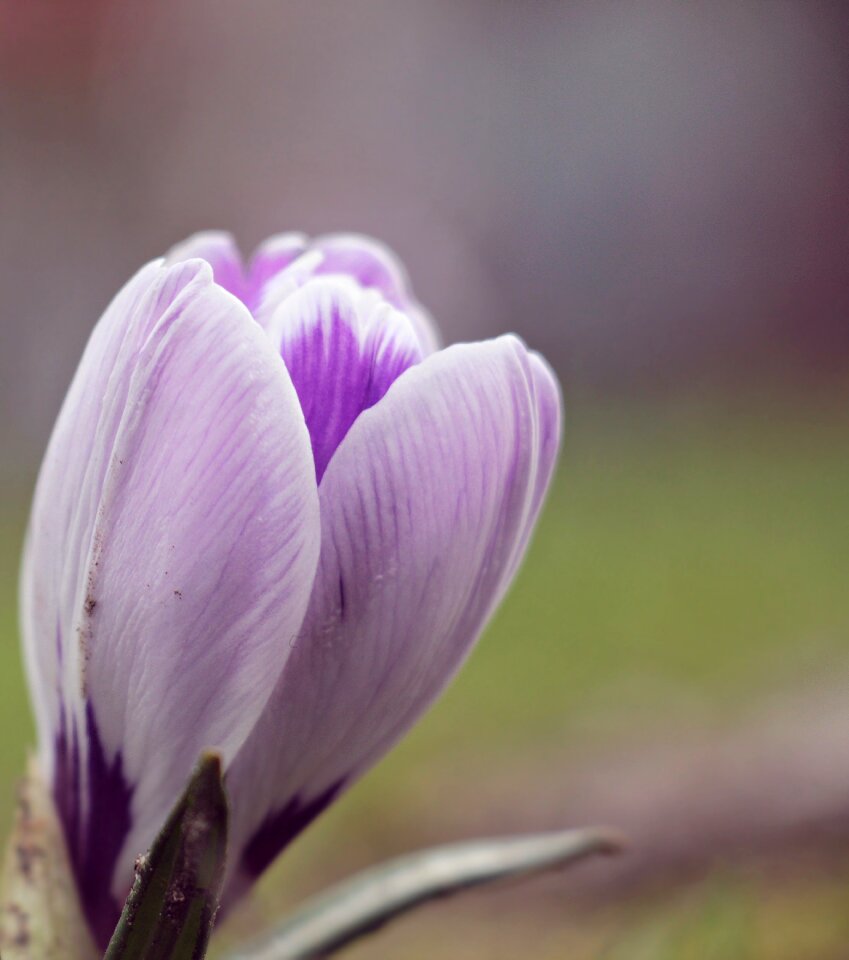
(366, 263)
(343, 349)
(270, 260)
(343, 356)
(286, 262)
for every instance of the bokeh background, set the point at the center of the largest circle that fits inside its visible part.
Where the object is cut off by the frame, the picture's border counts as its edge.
(657, 196)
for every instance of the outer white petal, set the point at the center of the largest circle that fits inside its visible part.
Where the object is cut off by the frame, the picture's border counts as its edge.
(427, 507)
(172, 545)
(55, 545)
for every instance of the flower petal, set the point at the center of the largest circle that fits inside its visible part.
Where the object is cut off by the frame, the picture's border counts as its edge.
(270, 258)
(219, 250)
(373, 265)
(171, 551)
(344, 347)
(285, 263)
(73, 465)
(368, 261)
(426, 510)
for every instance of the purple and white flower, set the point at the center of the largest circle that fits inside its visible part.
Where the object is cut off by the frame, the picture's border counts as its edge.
(273, 518)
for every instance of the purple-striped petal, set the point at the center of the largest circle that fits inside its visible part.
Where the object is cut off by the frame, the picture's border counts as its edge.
(369, 262)
(271, 257)
(374, 266)
(219, 250)
(426, 510)
(343, 347)
(286, 261)
(283, 264)
(171, 551)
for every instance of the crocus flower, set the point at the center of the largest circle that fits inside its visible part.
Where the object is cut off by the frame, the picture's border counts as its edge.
(273, 518)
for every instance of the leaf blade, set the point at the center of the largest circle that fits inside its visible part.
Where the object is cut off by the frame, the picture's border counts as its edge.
(170, 911)
(373, 898)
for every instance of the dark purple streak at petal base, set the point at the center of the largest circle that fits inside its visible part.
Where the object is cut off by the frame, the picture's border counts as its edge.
(93, 844)
(281, 828)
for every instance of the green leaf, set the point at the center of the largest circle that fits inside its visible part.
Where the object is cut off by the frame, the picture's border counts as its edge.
(170, 911)
(41, 917)
(371, 899)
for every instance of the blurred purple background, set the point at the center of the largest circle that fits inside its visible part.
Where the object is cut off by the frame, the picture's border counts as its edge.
(654, 194)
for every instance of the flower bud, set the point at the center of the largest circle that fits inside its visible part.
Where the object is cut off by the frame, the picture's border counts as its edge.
(272, 520)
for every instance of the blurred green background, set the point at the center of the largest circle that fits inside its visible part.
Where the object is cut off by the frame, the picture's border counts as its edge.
(690, 562)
